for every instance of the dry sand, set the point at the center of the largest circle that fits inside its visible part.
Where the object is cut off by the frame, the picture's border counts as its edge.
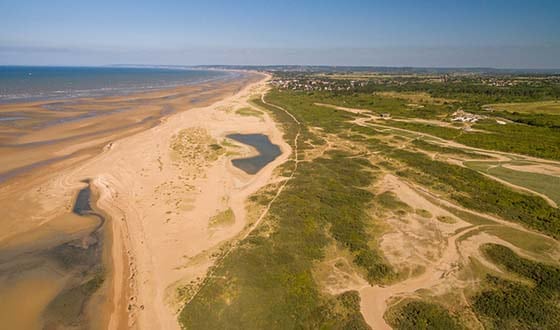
(160, 203)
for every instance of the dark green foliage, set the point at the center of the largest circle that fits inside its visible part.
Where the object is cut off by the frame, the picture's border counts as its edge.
(267, 283)
(421, 315)
(470, 89)
(507, 304)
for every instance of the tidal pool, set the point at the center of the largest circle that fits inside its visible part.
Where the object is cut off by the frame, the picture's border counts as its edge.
(267, 152)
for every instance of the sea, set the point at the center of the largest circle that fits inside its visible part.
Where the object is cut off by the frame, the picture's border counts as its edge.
(35, 83)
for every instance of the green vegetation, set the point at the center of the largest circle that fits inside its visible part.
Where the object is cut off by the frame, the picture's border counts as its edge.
(507, 304)
(224, 218)
(534, 243)
(249, 112)
(389, 201)
(545, 107)
(545, 184)
(543, 142)
(270, 280)
(427, 146)
(533, 130)
(475, 191)
(266, 282)
(423, 213)
(446, 219)
(421, 315)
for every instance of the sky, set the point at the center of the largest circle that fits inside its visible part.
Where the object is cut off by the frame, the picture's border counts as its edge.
(437, 33)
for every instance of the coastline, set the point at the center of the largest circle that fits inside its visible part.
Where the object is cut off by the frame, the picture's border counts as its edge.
(60, 130)
(154, 248)
(127, 88)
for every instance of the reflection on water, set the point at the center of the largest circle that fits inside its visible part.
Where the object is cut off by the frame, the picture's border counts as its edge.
(267, 152)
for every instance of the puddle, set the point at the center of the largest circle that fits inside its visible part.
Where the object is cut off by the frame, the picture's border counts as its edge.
(266, 149)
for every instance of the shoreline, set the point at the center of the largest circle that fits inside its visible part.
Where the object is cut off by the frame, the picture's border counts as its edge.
(51, 136)
(106, 92)
(154, 242)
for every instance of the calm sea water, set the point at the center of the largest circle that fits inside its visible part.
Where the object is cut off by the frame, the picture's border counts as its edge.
(27, 83)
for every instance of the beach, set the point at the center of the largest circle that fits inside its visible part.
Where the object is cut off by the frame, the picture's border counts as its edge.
(160, 175)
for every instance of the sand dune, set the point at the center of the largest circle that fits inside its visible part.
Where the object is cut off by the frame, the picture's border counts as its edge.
(160, 202)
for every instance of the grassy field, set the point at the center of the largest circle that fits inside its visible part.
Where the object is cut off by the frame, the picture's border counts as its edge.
(545, 184)
(545, 107)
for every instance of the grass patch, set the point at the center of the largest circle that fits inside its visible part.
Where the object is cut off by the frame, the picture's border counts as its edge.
(545, 107)
(541, 140)
(222, 219)
(389, 201)
(545, 184)
(423, 213)
(249, 112)
(446, 219)
(537, 244)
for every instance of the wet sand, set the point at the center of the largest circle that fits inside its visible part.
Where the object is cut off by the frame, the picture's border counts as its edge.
(55, 131)
(149, 237)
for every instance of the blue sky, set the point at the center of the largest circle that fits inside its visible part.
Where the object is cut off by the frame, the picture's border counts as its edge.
(390, 33)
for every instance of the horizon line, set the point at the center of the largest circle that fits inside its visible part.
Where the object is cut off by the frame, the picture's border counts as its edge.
(130, 65)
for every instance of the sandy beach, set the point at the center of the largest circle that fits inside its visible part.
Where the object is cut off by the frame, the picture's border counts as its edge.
(160, 181)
